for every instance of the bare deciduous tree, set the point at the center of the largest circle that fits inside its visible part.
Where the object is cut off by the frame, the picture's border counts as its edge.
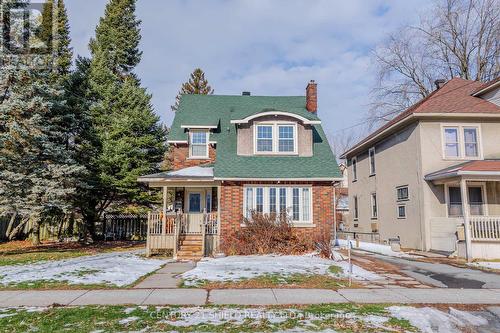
(455, 38)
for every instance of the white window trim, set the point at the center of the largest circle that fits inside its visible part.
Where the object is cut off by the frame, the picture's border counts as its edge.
(275, 125)
(461, 141)
(289, 201)
(354, 161)
(372, 172)
(397, 211)
(469, 184)
(407, 190)
(207, 143)
(371, 206)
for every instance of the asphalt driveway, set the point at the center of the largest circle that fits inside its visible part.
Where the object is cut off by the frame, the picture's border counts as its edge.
(442, 275)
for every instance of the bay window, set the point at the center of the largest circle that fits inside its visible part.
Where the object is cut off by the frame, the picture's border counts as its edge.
(294, 201)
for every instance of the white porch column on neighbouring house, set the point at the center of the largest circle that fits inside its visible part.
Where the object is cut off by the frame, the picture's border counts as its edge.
(466, 213)
(164, 210)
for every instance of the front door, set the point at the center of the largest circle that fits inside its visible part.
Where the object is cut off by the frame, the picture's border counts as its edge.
(194, 204)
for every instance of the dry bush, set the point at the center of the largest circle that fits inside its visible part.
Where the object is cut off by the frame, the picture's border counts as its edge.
(265, 234)
(323, 245)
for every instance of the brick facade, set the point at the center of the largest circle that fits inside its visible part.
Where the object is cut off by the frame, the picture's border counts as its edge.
(179, 157)
(231, 207)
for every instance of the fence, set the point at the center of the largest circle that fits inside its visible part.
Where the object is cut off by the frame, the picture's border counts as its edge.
(112, 227)
(372, 237)
(485, 228)
(124, 226)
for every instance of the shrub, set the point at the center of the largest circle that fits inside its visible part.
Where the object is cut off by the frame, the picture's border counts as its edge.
(265, 234)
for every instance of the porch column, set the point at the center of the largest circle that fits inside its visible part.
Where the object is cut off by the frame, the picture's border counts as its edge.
(466, 213)
(164, 211)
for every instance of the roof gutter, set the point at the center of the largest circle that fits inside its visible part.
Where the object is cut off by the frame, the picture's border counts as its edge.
(279, 179)
(409, 119)
(486, 89)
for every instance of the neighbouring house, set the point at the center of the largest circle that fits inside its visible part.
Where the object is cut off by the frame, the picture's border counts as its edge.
(431, 170)
(233, 155)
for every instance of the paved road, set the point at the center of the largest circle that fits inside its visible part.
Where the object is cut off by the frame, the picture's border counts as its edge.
(442, 275)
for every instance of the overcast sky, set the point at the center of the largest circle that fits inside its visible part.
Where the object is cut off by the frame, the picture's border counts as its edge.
(268, 47)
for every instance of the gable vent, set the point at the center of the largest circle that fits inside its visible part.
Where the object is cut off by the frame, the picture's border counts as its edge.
(245, 93)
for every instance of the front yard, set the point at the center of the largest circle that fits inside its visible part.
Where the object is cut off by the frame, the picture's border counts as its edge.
(71, 267)
(313, 318)
(273, 271)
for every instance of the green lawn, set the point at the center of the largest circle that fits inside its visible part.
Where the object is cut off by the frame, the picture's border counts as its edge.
(338, 317)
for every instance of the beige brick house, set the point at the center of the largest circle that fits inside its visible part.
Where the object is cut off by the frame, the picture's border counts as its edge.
(431, 170)
(232, 155)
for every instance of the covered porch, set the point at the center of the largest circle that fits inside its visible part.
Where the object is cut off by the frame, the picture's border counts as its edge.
(188, 222)
(471, 225)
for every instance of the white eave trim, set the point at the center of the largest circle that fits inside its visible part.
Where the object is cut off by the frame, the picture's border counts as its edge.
(174, 180)
(199, 126)
(486, 89)
(177, 141)
(276, 113)
(418, 116)
(279, 179)
(462, 173)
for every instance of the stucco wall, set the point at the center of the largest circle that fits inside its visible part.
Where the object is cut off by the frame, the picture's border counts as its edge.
(246, 135)
(397, 163)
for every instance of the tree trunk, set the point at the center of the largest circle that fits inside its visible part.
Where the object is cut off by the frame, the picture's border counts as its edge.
(35, 233)
(17, 230)
(11, 224)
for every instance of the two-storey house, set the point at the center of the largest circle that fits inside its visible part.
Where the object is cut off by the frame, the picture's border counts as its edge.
(234, 155)
(431, 170)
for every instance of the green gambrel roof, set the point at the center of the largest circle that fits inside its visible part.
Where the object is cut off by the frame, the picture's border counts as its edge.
(219, 110)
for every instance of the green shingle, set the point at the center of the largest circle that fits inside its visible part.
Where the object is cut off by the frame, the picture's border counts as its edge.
(218, 110)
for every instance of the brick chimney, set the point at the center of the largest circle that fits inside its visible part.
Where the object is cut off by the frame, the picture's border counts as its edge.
(312, 97)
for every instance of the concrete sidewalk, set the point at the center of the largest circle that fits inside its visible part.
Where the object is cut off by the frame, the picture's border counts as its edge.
(246, 296)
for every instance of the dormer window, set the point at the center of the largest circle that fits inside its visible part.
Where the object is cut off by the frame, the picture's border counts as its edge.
(198, 144)
(275, 138)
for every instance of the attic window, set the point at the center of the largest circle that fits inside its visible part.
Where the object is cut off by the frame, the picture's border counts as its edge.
(198, 144)
(275, 138)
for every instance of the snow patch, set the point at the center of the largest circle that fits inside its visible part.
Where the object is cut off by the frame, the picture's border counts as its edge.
(234, 268)
(372, 247)
(430, 320)
(116, 268)
(487, 264)
(128, 320)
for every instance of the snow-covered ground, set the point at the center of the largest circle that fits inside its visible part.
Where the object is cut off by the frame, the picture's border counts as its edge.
(235, 268)
(115, 268)
(372, 247)
(430, 320)
(426, 319)
(487, 264)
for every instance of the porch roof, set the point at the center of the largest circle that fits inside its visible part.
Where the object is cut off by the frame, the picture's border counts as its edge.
(202, 173)
(470, 168)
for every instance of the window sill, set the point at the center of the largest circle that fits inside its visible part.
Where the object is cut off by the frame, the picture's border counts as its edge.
(198, 158)
(354, 180)
(373, 218)
(402, 218)
(372, 175)
(402, 200)
(275, 154)
(465, 158)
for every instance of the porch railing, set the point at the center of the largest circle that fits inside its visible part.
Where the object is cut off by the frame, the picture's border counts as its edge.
(164, 231)
(485, 228)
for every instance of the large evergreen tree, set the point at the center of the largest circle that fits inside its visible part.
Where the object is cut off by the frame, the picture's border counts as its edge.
(37, 175)
(130, 138)
(196, 84)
